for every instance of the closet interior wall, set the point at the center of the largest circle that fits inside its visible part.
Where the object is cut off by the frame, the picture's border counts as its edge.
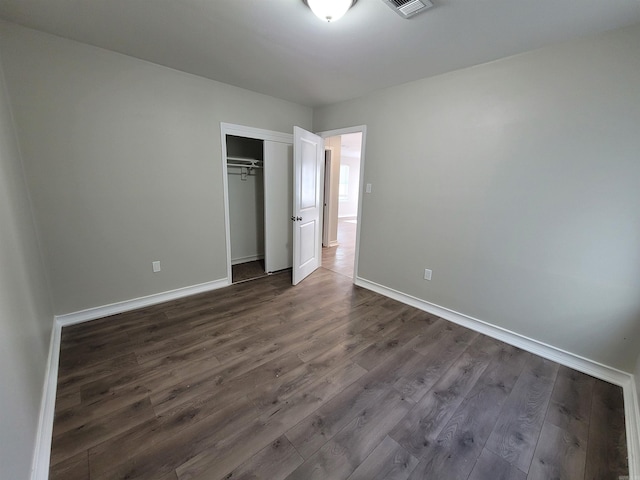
(246, 201)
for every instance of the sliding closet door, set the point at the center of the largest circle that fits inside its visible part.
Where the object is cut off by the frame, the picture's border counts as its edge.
(278, 195)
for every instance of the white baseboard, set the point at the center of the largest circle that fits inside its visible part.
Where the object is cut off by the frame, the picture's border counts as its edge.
(128, 305)
(42, 451)
(632, 419)
(568, 359)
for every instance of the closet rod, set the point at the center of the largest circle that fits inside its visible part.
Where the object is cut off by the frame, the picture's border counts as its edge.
(243, 165)
(243, 159)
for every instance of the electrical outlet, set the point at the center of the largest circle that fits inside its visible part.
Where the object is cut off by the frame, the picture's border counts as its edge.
(367, 188)
(156, 266)
(427, 274)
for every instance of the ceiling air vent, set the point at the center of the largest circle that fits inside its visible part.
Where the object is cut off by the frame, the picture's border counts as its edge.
(408, 8)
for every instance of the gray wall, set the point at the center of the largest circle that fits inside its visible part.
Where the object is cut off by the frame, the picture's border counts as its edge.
(123, 159)
(26, 316)
(246, 215)
(517, 182)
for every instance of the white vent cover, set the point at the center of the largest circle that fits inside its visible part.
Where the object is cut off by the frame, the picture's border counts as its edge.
(408, 8)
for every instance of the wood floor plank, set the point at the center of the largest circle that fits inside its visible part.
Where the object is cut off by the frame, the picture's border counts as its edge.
(68, 398)
(317, 429)
(224, 385)
(438, 358)
(73, 468)
(160, 446)
(78, 415)
(77, 377)
(389, 461)
(444, 333)
(489, 466)
(285, 386)
(460, 443)
(516, 434)
(339, 457)
(607, 447)
(239, 447)
(422, 425)
(559, 455)
(273, 462)
(570, 405)
(96, 431)
(385, 348)
(198, 346)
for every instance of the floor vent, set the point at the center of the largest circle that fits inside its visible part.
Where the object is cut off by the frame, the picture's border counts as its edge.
(408, 8)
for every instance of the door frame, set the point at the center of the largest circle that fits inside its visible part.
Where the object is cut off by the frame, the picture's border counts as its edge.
(342, 131)
(247, 132)
(326, 200)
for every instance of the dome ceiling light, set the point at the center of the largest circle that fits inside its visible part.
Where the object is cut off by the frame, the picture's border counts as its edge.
(329, 10)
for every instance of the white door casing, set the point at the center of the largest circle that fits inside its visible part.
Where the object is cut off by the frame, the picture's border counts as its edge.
(328, 153)
(308, 165)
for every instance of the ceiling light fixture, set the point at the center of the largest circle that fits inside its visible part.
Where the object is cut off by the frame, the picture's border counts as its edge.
(329, 10)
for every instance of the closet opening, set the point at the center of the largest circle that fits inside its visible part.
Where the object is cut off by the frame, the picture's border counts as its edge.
(259, 199)
(245, 176)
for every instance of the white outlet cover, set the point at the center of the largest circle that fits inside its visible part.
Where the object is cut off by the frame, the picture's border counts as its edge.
(156, 266)
(427, 274)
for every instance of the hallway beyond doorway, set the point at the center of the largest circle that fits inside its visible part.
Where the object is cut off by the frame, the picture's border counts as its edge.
(341, 258)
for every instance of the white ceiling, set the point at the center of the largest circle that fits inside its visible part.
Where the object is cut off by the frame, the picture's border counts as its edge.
(278, 47)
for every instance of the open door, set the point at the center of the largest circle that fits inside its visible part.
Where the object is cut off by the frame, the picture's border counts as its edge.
(308, 163)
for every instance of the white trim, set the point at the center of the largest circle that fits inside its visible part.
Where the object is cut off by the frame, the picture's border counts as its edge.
(135, 303)
(42, 451)
(327, 200)
(257, 133)
(568, 359)
(250, 258)
(632, 419)
(343, 131)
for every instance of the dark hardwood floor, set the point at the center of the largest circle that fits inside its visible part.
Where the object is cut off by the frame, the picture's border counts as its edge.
(324, 380)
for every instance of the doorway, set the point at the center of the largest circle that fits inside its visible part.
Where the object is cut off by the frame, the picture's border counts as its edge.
(343, 175)
(245, 178)
(258, 174)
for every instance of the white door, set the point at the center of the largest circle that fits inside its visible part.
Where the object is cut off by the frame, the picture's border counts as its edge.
(308, 163)
(278, 192)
